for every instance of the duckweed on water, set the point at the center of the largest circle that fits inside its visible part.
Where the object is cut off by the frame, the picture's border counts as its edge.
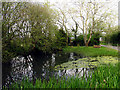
(86, 62)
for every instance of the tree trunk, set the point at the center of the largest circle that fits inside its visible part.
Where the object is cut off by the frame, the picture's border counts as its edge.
(67, 41)
(86, 44)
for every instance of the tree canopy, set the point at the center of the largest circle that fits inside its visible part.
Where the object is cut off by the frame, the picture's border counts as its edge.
(27, 26)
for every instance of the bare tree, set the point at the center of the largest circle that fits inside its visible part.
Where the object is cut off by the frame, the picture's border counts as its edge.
(62, 19)
(90, 14)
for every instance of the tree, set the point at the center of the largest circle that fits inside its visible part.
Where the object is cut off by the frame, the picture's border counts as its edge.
(112, 35)
(75, 30)
(61, 38)
(90, 16)
(63, 20)
(27, 26)
(10, 17)
(41, 19)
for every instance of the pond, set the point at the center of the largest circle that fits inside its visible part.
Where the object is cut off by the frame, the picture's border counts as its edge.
(37, 66)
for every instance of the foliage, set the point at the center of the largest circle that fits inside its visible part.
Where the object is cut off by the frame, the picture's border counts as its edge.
(10, 15)
(61, 38)
(27, 26)
(113, 38)
(91, 51)
(94, 40)
(79, 40)
(102, 43)
(43, 26)
(103, 77)
(112, 35)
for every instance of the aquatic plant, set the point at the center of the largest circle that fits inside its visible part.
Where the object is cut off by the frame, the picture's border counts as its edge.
(89, 62)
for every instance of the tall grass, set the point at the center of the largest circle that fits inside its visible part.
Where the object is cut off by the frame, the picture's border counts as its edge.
(90, 51)
(105, 76)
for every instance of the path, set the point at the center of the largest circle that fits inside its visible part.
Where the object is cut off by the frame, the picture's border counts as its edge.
(113, 47)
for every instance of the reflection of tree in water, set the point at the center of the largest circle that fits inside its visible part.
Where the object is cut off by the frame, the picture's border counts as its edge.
(21, 68)
(53, 60)
(80, 72)
(72, 56)
(47, 68)
(43, 66)
(64, 57)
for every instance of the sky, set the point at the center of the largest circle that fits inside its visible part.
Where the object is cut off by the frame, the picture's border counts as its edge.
(112, 4)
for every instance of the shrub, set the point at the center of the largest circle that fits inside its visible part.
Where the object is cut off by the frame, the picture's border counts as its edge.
(61, 38)
(94, 40)
(114, 38)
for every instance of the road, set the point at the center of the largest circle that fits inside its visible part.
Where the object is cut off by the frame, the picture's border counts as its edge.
(113, 47)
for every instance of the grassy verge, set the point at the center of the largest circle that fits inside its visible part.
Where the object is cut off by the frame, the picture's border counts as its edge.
(90, 51)
(105, 76)
(103, 43)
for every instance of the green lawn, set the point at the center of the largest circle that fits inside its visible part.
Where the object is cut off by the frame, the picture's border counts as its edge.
(90, 51)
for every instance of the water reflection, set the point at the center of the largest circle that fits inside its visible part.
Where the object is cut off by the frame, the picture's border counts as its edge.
(53, 60)
(75, 72)
(37, 66)
(20, 68)
(72, 56)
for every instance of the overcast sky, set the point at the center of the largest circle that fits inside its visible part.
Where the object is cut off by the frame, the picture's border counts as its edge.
(112, 4)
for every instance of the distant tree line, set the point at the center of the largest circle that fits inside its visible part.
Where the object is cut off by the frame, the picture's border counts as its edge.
(113, 38)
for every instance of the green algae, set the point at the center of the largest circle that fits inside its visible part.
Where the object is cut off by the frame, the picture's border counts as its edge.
(89, 62)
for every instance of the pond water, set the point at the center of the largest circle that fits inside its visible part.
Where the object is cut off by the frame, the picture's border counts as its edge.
(37, 66)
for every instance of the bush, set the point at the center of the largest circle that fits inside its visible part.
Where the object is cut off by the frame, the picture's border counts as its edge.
(114, 38)
(61, 38)
(80, 40)
(94, 40)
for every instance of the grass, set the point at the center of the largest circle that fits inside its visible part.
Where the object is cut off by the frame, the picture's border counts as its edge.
(91, 51)
(105, 76)
(103, 43)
